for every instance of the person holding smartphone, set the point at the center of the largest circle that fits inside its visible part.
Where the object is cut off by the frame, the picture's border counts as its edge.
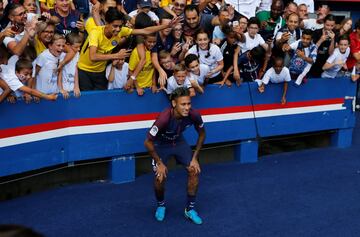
(19, 35)
(97, 49)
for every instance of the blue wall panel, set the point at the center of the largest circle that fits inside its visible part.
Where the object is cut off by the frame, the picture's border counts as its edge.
(93, 108)
(307, 97)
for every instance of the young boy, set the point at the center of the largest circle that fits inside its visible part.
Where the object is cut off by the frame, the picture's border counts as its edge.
(166, 62)
(249, 64)
(337, 60)
(179, 79)
(117, 74)
(146, 77)
(304, 54)
(68, 79)
(144, 6)
(16, 79)
(276, 74)
(47, 66)
(197, 72)
(228, 48)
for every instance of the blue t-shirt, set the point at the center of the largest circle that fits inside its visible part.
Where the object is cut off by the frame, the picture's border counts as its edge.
(248, 68)
(129, 5)
(167, 45)
(205, 24)
(66, 24)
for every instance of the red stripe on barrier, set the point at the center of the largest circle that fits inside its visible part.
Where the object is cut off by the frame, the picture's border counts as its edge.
(73, 123)
(227, 110)
(106, 120)
(299, 104)
(151, 116)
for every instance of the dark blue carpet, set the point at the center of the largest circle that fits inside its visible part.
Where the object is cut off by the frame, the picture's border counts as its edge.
(307, 193)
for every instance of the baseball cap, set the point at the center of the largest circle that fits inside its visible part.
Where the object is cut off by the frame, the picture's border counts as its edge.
(144, 3)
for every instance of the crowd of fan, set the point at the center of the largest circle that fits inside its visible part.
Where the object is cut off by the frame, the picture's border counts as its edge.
(49, 47)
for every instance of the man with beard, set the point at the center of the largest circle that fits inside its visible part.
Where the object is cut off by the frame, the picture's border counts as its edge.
(20, 35)
(194, 21)
(165, 140)
(318, 23)
(271, 21)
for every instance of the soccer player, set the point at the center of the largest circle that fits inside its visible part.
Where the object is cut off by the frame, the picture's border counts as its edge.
(165, 139)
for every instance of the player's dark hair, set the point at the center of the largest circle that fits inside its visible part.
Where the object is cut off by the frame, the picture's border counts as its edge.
(179, 92)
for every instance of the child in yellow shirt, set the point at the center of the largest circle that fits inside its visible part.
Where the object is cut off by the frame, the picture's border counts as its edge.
(146, 77)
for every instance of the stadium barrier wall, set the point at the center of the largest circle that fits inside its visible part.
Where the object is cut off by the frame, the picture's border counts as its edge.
(113, 124)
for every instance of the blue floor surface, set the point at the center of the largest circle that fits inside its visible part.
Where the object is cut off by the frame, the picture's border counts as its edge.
(305, 193)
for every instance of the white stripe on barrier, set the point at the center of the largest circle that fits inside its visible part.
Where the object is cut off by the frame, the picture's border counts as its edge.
(300, 110)
(113, 127)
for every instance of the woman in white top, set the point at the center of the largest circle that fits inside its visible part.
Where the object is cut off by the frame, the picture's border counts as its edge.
(208, 54)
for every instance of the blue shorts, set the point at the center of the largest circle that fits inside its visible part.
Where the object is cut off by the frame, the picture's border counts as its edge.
(180, 150)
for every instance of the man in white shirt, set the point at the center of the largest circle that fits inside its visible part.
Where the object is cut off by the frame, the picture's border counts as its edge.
(337, 60)
(318, 23)
(24, 32)
(252, 38)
